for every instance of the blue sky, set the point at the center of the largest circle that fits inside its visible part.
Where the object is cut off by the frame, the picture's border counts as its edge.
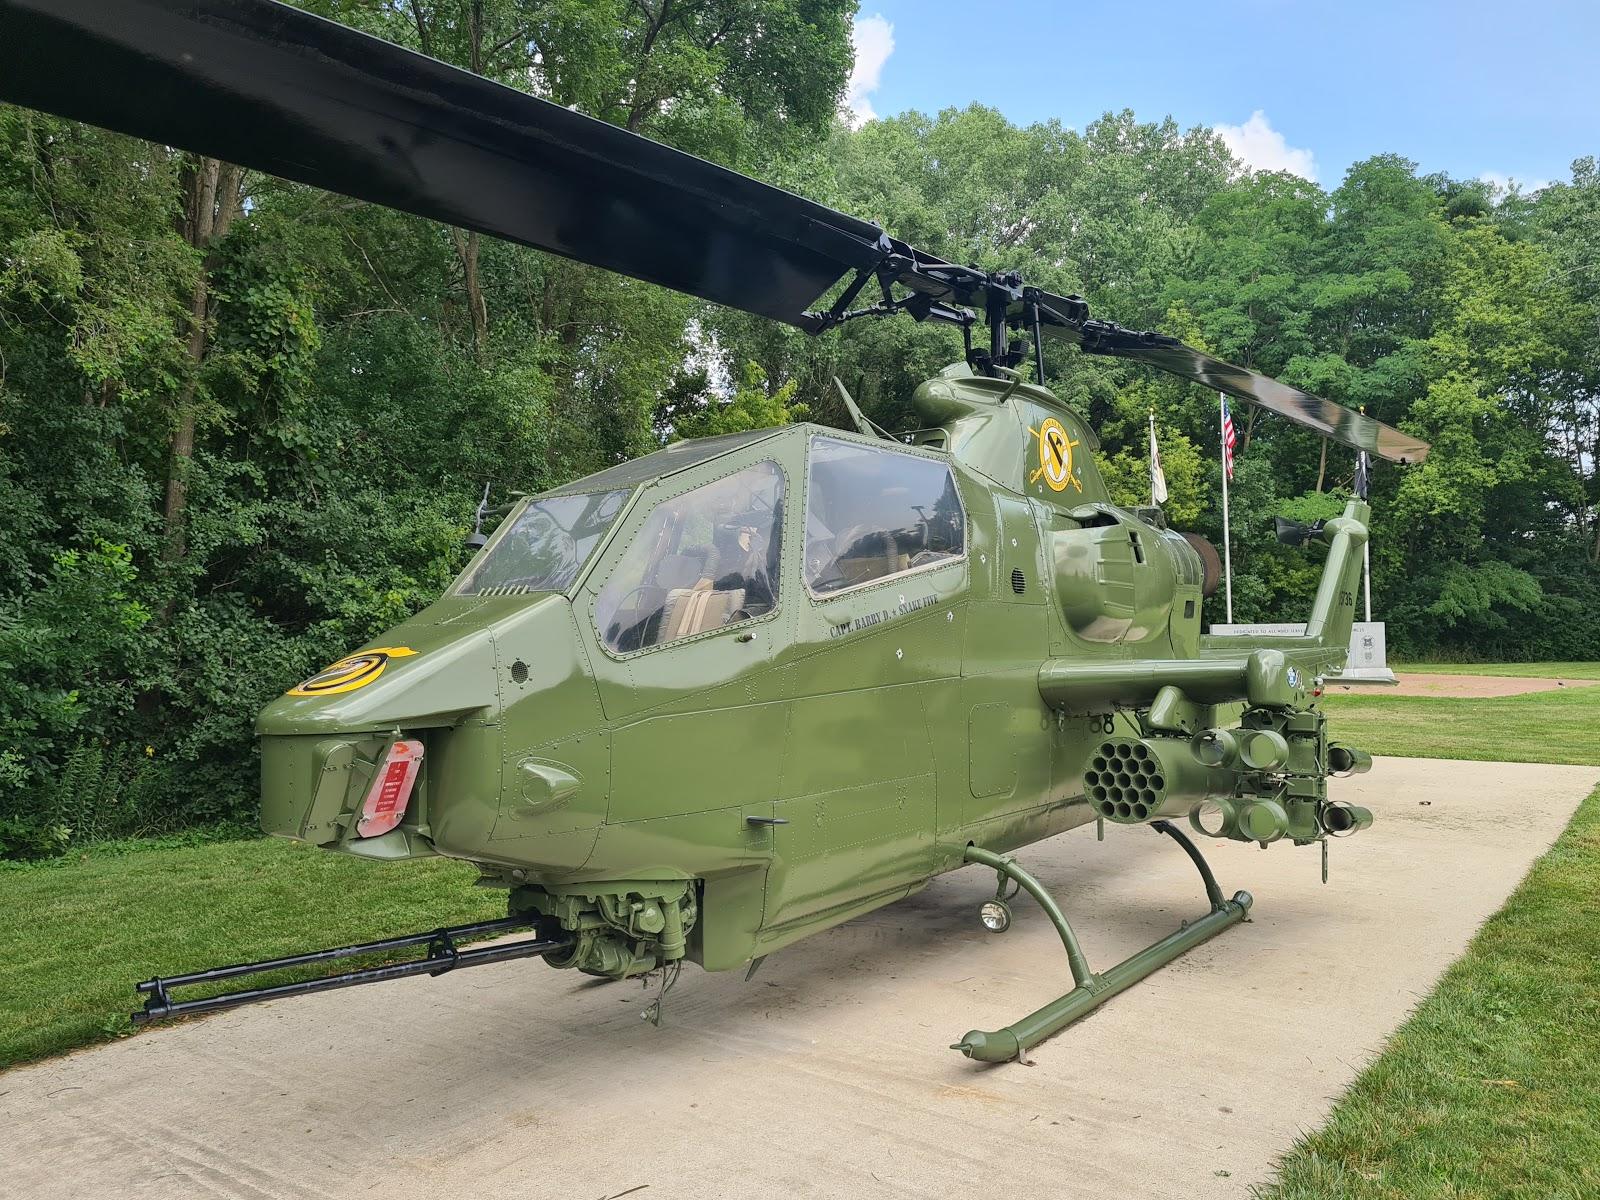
(1509, 89)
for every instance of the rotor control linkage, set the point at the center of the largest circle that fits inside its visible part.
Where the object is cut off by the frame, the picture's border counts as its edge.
(443, 954)
(1091, 990)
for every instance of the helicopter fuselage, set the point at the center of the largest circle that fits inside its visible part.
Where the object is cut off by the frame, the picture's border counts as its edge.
(654, 758)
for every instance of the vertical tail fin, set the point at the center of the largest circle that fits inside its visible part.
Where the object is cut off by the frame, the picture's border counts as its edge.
(1333, 612)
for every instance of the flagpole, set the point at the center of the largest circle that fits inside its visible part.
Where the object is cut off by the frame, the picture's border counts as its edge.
(1227, 539)
(1152, 470)
(1363, 486)
(1366, 576)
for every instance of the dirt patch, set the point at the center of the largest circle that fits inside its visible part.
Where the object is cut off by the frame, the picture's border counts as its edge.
(1419, 684)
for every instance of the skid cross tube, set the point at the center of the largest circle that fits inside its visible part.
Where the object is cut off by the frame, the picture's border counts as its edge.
(1091, 990)
(443, 955)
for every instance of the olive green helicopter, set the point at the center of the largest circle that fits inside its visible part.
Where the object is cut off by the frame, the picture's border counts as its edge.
(705, 703)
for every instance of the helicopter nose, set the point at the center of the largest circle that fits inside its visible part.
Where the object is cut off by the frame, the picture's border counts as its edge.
(344, 753)
(398, 748)
(421, 677)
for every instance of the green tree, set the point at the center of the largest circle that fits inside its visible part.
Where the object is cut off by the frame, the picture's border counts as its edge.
(258, 416)
(753, 405)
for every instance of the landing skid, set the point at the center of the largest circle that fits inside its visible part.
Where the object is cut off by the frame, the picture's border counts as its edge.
(1091, 990)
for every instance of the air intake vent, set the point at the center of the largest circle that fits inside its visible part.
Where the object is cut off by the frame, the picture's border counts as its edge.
(1019, 582)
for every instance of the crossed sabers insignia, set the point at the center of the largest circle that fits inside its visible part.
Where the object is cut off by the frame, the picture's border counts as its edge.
(1060, 452)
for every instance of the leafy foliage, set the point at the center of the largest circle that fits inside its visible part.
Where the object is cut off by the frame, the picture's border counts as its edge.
(243, 425)
(752, 406)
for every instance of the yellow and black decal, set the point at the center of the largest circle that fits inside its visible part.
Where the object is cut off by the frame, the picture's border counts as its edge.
(1055, 456)
(348, 674)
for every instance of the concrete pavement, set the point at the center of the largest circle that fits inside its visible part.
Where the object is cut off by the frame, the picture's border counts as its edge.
(829, 1073)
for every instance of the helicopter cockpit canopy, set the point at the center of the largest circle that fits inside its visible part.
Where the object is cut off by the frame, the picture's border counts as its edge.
(659, 464)
(703, 560)
(873, 513)
(545, 547)
(545, 543)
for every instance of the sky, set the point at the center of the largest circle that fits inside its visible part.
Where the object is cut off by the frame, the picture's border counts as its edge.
(1503, 90)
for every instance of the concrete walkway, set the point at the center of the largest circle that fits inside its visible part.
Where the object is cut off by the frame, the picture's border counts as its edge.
(828, 1074)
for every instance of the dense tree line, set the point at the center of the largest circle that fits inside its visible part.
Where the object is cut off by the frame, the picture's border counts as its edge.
(243, 424)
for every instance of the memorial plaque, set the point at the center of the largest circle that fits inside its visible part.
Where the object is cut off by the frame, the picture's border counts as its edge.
(1368, 661)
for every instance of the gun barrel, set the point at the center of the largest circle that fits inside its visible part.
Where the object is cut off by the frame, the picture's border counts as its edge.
(443, 955)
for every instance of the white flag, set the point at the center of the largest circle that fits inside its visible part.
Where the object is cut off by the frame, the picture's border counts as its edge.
(1158, 480)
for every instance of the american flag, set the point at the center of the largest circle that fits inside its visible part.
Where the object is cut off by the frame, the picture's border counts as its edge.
(1230, 439)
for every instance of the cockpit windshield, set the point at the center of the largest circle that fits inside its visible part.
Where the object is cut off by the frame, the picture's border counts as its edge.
(546, 546)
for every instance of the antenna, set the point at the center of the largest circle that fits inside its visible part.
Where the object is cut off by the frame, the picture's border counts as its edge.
(862, 422)
(1038, 341)
(476, 540)
(1016, 381)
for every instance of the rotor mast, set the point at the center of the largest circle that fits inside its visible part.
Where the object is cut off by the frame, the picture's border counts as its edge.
(953, 294)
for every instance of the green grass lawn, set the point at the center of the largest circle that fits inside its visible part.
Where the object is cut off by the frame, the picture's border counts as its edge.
(1560, 726)
(84, 929)
(1492, 1087)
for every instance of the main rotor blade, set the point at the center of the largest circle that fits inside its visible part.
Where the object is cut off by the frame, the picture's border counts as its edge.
(281, 91)
(1331, 420)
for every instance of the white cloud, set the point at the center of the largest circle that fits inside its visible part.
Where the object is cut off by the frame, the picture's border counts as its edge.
(1502, 183)
(1262, 148)
(873, 39)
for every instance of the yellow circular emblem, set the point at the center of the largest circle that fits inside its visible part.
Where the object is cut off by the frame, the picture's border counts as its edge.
(350, 673)
(1055, 456)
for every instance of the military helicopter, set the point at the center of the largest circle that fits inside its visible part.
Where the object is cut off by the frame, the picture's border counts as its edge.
(702, 704)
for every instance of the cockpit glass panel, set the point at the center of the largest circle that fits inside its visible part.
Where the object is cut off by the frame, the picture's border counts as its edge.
(545, 547)
(873, 513)
(668, 460)
(701, 561)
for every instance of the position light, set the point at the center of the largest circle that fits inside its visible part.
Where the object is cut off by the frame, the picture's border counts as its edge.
(391, 788)
(996, 916)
